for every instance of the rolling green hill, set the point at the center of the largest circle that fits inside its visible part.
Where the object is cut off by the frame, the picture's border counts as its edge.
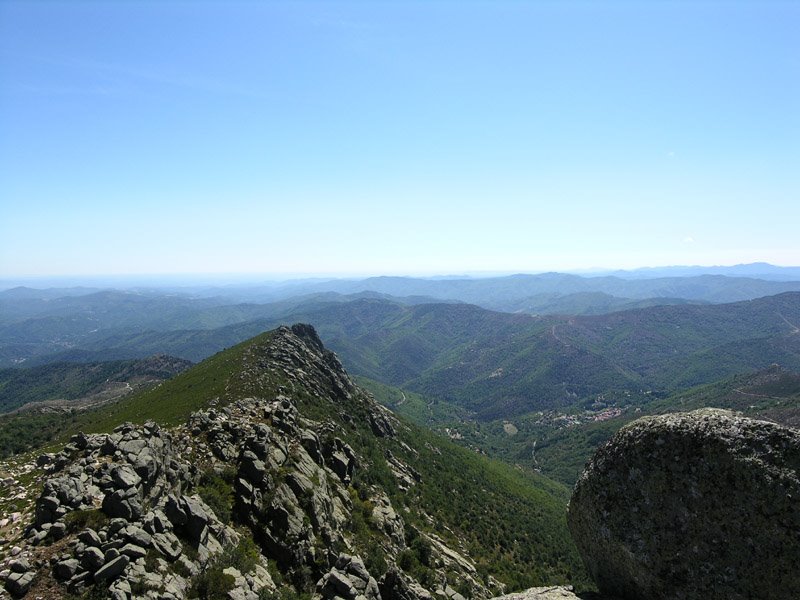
(559, 444)
(70, 381)
(500, 364)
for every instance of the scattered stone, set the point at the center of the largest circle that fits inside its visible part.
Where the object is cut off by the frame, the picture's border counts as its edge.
(20, 565)
(65, 569)
(90, 538)
(18, 584)
(133, 551)
(125, 477)
(92, 558)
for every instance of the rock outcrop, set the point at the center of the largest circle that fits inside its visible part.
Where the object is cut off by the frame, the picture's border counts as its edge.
(693, 505)
(147, 512)
(557, 592)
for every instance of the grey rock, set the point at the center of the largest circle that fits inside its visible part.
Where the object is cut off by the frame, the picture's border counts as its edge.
(112, 570)
(452, 594)
(90, 537)
(111, 553)
(92, 558)
(175, 512)
(77, 582)
(38, 537)
(132, 447)
(190, 566)
(19, 565)
(114, 543)
(300, 484)
(341, 460)
(49, 503)
(168, 545)
(65, 569)
(122, 504)
(44, 459)
(348, 579)
(380, 422)
(120, 590)
(146, 465)
(387, 520)
(336, 584)
(396, 585)
(137, 535)
(125, 477)
(58, 530)
(690, 506)
(18, 584)
(70, 491)
(46, 508)
(133, 551)
(80, 441)
(252, 467)
(116, 525)
(197, 519)
(353, 565)
(156, 522)
(310, 441)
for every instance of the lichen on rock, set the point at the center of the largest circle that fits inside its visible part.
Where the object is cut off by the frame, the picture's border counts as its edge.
(693, 505)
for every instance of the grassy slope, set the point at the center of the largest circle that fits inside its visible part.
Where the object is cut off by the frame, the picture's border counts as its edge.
(415, 407)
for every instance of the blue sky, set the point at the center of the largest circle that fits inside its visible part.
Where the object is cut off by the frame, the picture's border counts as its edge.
(379, 137)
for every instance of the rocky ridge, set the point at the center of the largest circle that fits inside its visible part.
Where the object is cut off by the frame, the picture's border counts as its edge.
(253, 498)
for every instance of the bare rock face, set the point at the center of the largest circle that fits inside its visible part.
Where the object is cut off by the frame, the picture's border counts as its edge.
(693, 505)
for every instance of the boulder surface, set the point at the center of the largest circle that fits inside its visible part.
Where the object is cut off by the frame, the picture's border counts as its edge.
(703, 504)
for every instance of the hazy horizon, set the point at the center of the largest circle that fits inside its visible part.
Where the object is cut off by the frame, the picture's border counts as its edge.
(248, 279)
(348, 138)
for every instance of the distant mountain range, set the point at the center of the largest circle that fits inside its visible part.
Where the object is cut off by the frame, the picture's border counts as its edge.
(494, 363)
(539, 294)
(499, 364)
(757, 270)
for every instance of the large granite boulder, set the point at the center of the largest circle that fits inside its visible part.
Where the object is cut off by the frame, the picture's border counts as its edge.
(703, 504)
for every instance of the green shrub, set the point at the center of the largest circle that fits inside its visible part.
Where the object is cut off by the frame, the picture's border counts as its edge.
(151, 560)
(375, 560)
(212, 584)
(244, 556)
(93, 518)
(180, 568)
(217, 492)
